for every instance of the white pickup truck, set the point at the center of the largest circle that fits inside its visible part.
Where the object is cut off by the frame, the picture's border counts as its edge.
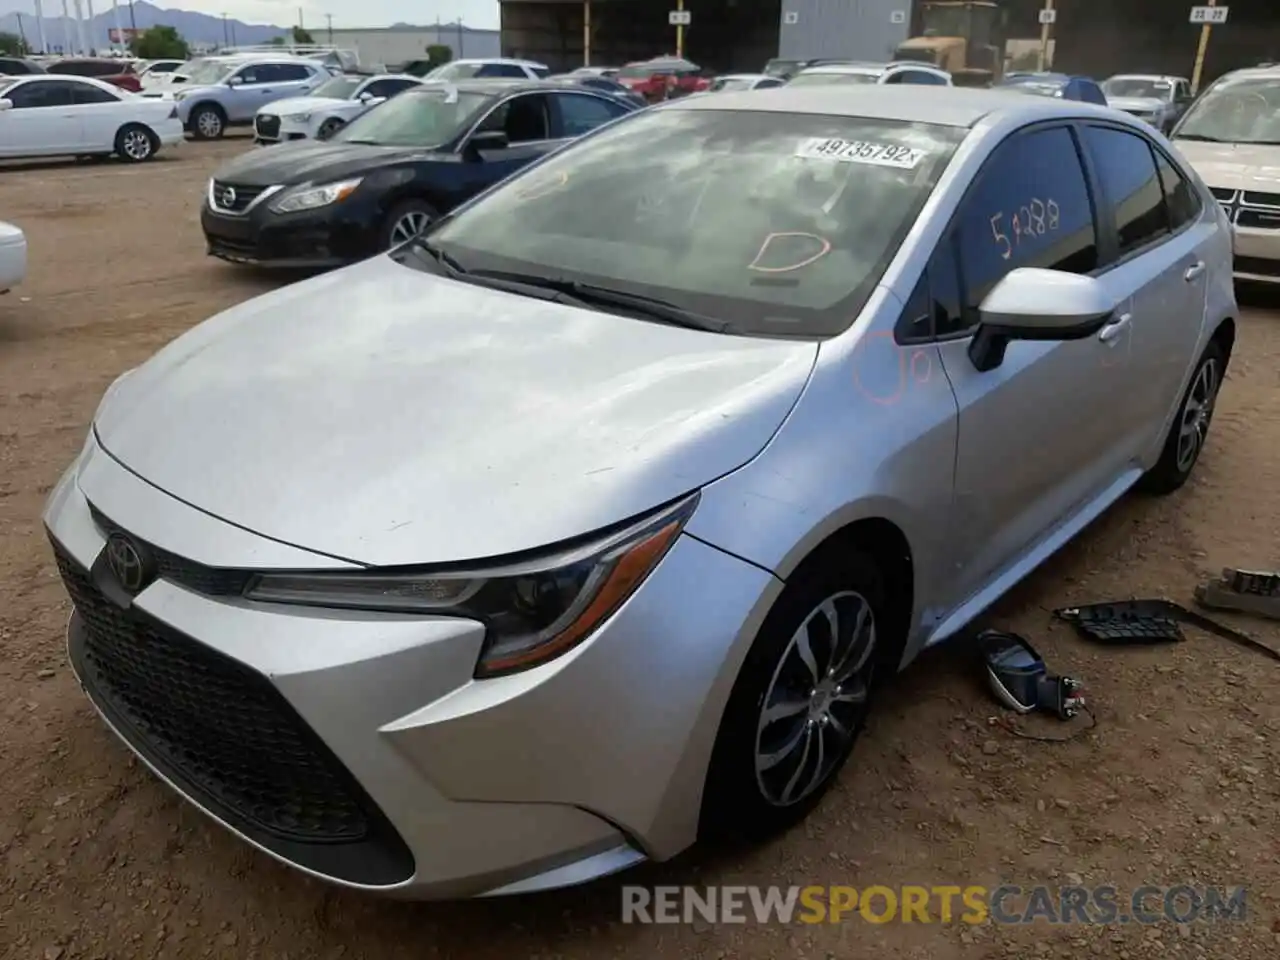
(13, 256)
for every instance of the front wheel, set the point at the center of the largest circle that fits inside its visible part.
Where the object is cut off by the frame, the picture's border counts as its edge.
(329, 128)
(1190, 428)
(801, 699)
(207, 123)
(405, 221)
(135, 143)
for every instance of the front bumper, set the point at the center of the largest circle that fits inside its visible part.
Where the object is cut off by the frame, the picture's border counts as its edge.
(358, 748)
(1257, 254)
(171, 132)
(269, 128)
(322, 238)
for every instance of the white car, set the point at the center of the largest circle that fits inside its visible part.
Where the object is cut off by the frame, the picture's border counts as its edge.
(13, 256)
(52, 115)
(859, 73)
(156, 69)
(744, 81)
(333, 105)
(491, 67)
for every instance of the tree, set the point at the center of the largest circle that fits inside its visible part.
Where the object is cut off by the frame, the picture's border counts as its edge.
(13, 46)
(302, 37)
(159, 43)
(277, 41)
(438, 53)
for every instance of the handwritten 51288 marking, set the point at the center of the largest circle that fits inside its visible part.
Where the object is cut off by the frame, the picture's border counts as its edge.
(1034, 218)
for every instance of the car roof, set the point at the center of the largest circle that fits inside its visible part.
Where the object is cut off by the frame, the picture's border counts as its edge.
(849, 66)
(945, 106)
(1170, 78)
(498, 85)
(745, 76)
(515, 60)
(1260, 73)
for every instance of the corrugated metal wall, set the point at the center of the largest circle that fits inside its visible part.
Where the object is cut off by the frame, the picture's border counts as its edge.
(856, 29)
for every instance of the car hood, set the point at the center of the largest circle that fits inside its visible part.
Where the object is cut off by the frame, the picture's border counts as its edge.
(1234, 166)
(306, 161)
(188, 91)
(282, 108)
(386, 416)
(1145, 104)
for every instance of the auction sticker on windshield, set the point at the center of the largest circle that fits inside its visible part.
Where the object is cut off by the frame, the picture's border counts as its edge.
(860, 151)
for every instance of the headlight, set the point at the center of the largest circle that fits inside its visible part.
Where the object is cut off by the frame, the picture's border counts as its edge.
(308, 198)
(532, 611)
(298, 117)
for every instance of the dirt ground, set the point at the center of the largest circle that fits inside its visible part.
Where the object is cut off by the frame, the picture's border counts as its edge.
(1178, 783)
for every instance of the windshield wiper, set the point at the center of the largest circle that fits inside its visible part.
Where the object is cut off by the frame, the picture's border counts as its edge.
(451, 265)
(1199, 136)
(589, 294)
(364, 140)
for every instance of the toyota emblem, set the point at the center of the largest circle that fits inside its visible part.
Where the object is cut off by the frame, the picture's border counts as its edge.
(229, 197)
(127, 563)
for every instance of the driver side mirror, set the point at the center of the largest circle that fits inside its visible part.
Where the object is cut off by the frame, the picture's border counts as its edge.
(5, 104)
(486, 140)
(1034, 304)
(234, 81)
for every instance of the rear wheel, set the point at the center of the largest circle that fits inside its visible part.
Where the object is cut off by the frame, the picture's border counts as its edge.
(135, 143)
(1190, 428)
(801, 698)
(207, 122)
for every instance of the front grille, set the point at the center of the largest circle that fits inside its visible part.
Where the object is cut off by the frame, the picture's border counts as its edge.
(211, 581)
(1258, 219)
(232, 198)
(1223, 194)
(267, 126)
(1256, 198)
(1259, 266)
(225, 736)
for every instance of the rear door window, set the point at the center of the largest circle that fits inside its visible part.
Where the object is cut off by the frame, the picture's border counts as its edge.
(1181, 200)
(1030, 207)
(1130, 185)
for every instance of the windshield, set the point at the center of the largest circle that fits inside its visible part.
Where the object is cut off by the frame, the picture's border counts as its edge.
(1041, 88)
(210, 71)
(415, 118)
(780, 68)
(777, 224)
(732, 83)
(1241, 110)
(455, 71)
(1138, 87)
(6, 83)
(820, 79)
(338, 88)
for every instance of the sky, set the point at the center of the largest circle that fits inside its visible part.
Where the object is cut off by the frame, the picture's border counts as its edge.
(482, 14)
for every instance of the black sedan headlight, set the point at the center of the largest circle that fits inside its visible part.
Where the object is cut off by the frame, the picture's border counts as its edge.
(533, 611)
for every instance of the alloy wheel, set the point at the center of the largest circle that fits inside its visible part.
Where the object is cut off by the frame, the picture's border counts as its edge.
(816, 700)
(1196, 414)
(409, 226)
(136, 145)
(209, 123)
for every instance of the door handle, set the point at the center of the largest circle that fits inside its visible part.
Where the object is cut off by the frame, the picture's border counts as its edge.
(1194, 271)
(1112, 330)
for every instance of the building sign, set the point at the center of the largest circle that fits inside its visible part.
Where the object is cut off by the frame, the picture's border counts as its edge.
(122, 36)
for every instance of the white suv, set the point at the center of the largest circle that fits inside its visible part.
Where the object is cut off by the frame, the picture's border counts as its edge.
(493, 67)
(896, 72)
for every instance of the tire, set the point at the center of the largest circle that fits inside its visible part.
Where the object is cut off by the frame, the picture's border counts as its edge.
(750, 793)
(329, 128)
(136, 143)
(396, 229)
(207, 122)
(1190, 428)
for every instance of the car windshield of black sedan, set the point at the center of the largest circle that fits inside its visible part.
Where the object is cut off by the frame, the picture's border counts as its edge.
(776, 225)
(417, 118)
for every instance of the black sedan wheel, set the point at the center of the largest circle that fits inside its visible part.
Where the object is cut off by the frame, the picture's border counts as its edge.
(406, 221)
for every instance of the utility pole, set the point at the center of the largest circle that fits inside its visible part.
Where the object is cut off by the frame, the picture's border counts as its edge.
(1202, 48)
(44, 47)
(586, 33)
(66, 30)
(133, 23)
(81, 48)
(226, 37)
(22, 36)
(93, 40)
(680, 31)
(329, 18)
(115, 15)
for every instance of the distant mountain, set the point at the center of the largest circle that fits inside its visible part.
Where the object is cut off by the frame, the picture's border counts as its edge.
(196, 28)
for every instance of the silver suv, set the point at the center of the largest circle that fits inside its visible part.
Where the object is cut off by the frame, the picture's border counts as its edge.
(222, 93)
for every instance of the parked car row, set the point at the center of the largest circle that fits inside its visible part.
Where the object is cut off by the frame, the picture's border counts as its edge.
(593, 517)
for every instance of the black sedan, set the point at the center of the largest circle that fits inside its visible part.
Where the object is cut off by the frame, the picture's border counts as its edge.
(381, 179)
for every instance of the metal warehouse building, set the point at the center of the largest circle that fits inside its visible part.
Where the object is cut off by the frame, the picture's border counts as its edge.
(399, 44)
(1097, 37)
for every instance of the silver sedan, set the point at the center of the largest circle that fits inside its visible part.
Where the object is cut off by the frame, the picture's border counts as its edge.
(592, 520)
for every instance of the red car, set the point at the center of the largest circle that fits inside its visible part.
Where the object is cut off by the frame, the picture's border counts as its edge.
(650, 78)
(118, 72)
